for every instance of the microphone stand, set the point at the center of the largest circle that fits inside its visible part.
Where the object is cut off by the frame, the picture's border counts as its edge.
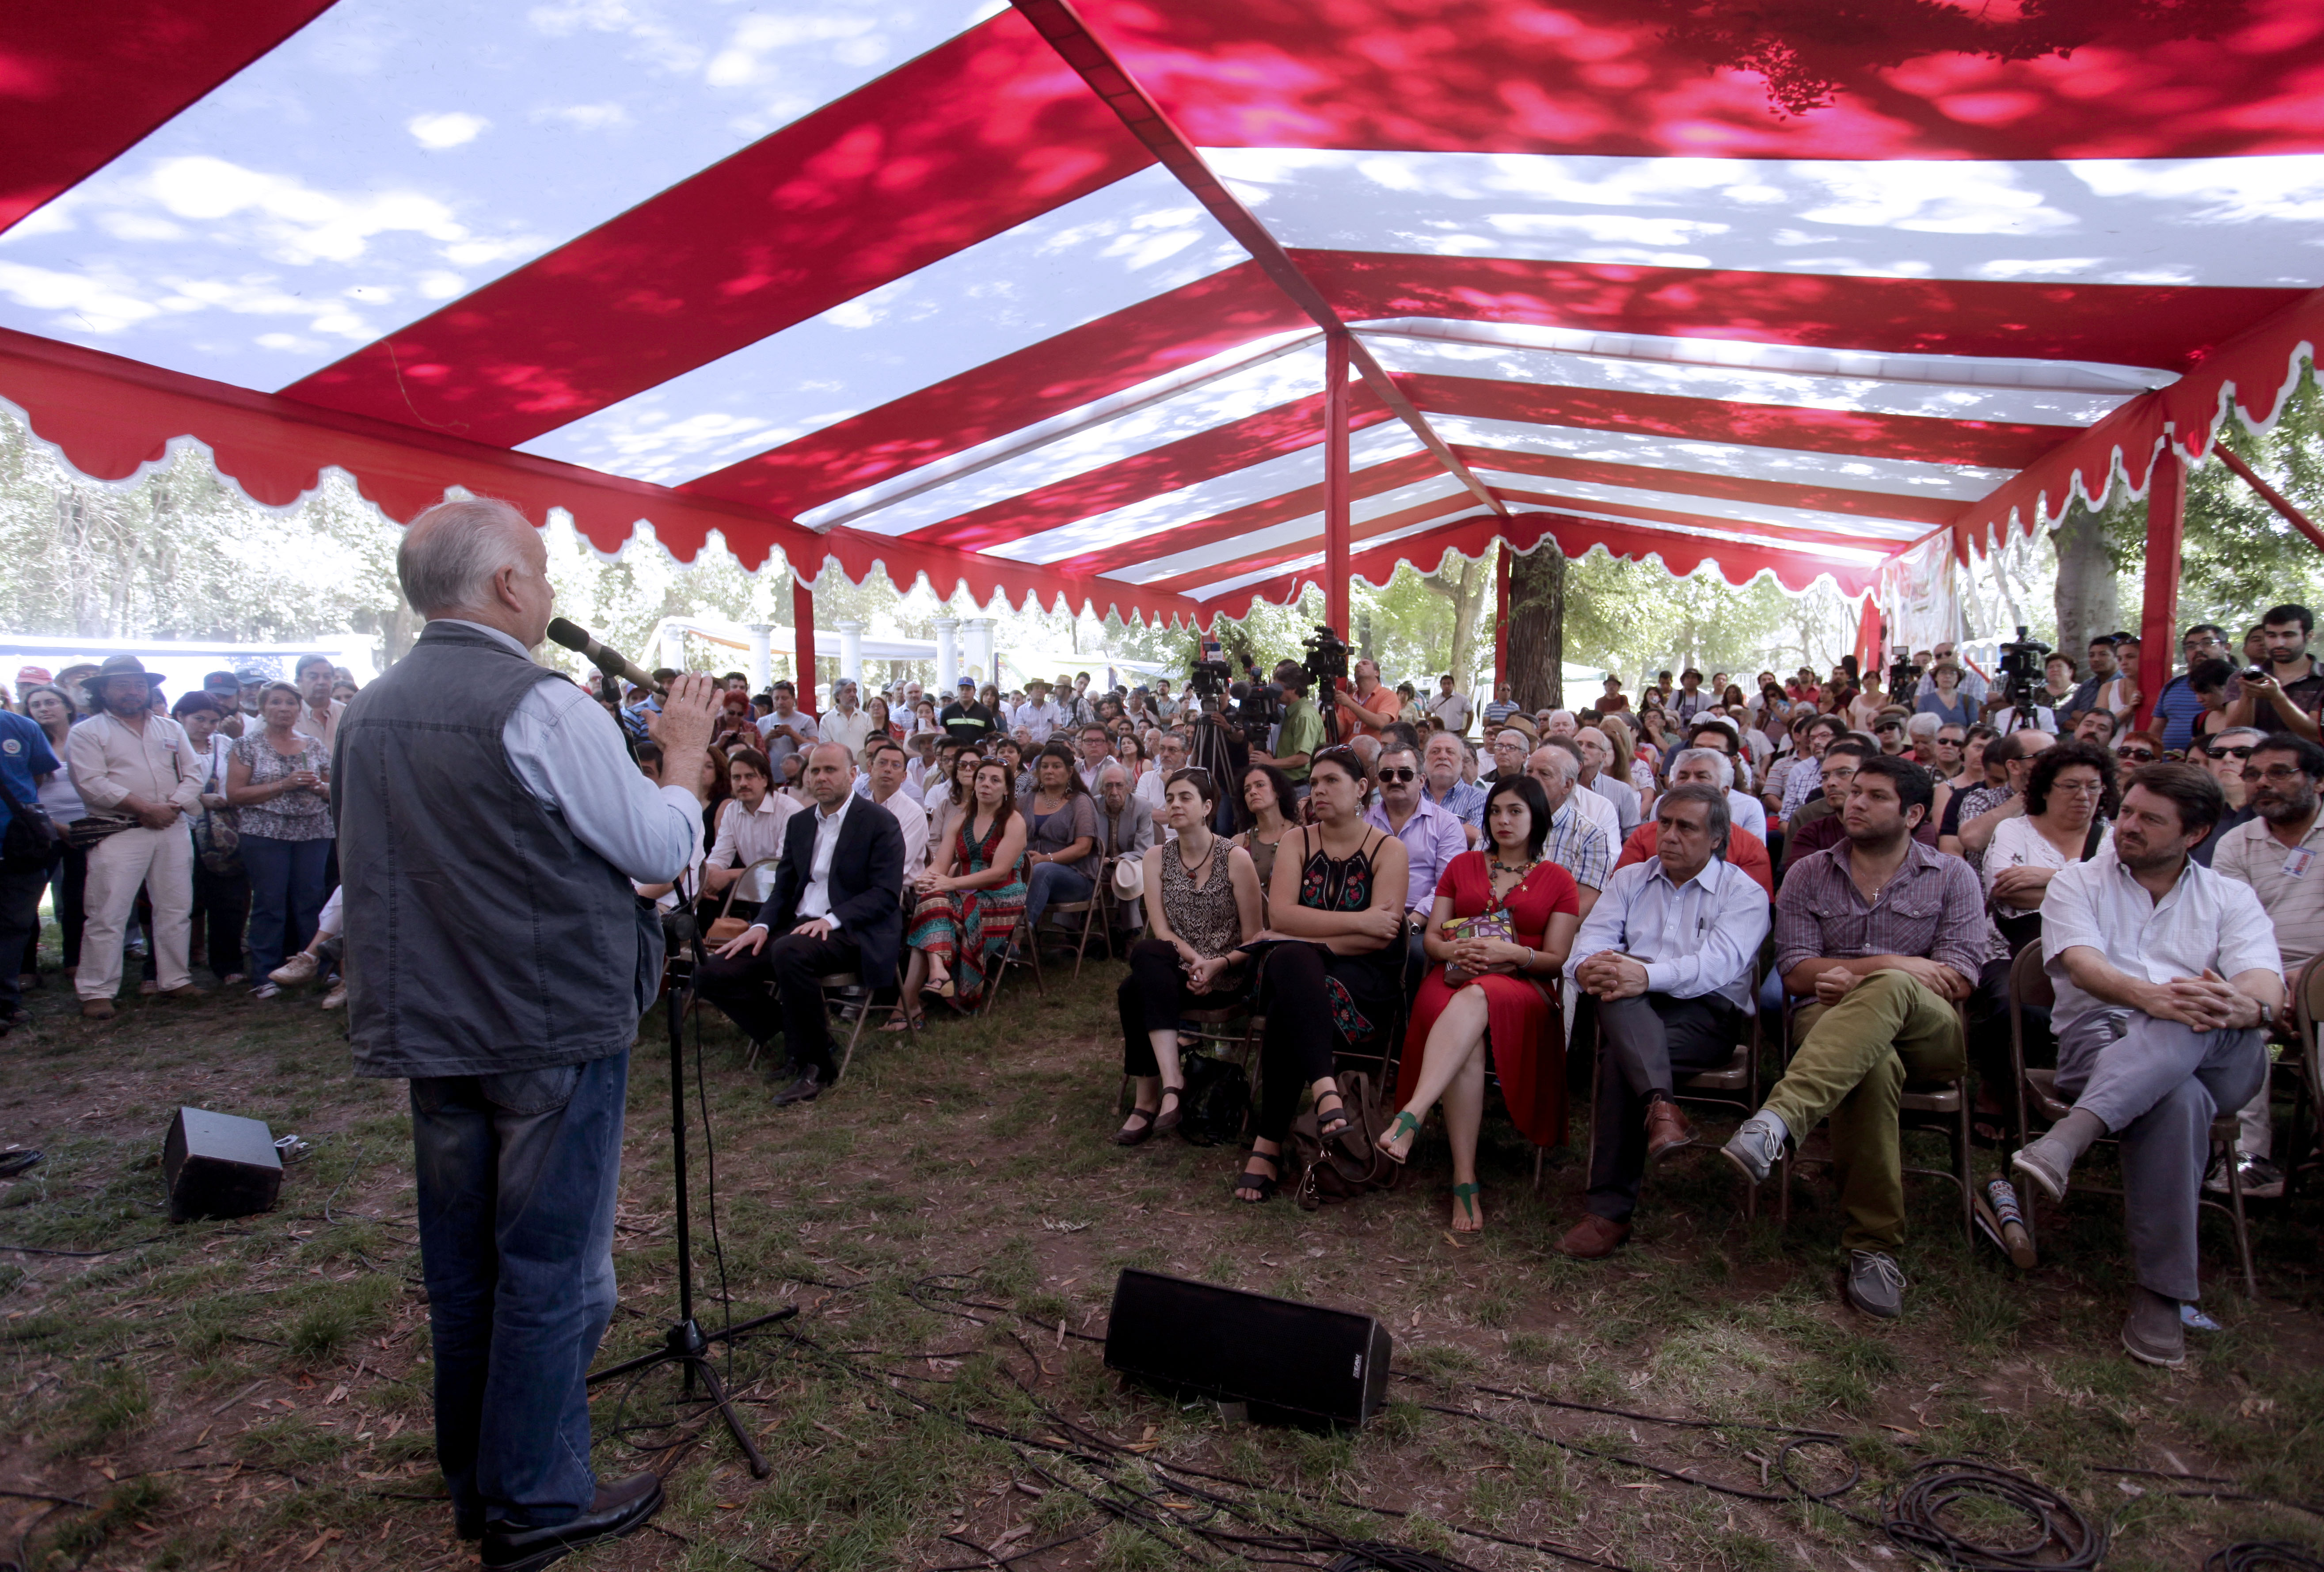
(684, 1343)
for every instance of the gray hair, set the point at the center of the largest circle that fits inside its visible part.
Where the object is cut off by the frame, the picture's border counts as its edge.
(1568, 768)
(1920, 732)
(2252, 732)
(1113, 768)
(1717, 817)
(1723, 766)
(451, 551)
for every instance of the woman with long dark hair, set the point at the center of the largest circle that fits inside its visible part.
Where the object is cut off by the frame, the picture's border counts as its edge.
(46, 703)
(1332, 965)
(1203, 902)
(278, 781)
(1504, 920)
(1060, 835)
(1265, 809)
(970, 900)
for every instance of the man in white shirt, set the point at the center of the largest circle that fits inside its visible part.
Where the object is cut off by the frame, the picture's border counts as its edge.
(128, 761)
(2168, 983)
(1667, 954)
(786, 730)
(1448, 708)
(1097, 752)
(885, 785)
(750, 823)
(1037, 716)
(319, 712)
(845, 724)
(1170, 758)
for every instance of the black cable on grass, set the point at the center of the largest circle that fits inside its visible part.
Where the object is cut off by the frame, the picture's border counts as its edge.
(2252, 1555)
(85, 1254)
(2057, 1537)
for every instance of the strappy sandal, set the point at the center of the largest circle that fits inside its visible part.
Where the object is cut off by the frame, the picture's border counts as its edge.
(1172, 1110)
(1134, 1133)
(902, 1020)
(1332, 1124)
(1464, 1197)
(1250, 1178)
(1403, 1124)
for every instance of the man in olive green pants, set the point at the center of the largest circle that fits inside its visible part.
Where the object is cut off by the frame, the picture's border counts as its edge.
(1887, 937)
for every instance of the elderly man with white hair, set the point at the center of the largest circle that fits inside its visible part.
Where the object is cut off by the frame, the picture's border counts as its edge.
(1560, 722)
(1712, 767)
(1509, 750)
(1575, 842)
(490, 826)
(1600, 810)
(1444, 760)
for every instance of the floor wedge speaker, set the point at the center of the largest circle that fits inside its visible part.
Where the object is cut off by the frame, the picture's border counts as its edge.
(1289, 1362)
(220, 1165)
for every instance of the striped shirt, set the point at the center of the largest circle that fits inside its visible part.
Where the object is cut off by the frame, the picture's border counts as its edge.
(1578, 845)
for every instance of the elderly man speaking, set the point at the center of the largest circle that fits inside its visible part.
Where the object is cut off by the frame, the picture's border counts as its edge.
(490, 824)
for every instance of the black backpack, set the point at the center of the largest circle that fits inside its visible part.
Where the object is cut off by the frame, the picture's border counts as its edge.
(1215, 1102)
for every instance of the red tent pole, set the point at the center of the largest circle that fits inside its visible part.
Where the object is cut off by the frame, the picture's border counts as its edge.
(2166, 523)
(1335, 482)
(2268, 493)
(1867, 634)
(1501, 617)
(802, 639)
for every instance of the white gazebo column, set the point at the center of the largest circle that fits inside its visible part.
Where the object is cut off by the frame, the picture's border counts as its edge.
(763, 636)
(850, 653)
(980, 650)
(673, 646)
(947, 657)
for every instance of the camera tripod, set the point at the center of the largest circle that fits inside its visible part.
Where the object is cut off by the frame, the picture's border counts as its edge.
(684, 1343)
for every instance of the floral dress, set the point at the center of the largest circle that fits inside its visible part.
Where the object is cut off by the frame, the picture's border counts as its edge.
(966, 930)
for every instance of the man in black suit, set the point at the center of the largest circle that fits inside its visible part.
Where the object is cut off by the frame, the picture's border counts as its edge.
(836, 905)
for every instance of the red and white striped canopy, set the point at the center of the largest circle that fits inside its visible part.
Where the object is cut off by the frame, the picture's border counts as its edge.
(1048, 301)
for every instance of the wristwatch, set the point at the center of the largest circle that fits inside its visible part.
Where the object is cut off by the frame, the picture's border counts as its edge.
(2267, 1016)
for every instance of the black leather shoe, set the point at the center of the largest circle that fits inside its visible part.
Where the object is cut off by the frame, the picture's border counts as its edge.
(805, 1089)
(618, 1509)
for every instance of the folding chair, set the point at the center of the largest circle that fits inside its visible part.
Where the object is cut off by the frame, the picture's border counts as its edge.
(2036, 1097)
(1941, 1105)
(1024, 940)
(2301, 1067)
(1735, 1085)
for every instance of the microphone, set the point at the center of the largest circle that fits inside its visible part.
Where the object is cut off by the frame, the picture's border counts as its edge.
(611, 661)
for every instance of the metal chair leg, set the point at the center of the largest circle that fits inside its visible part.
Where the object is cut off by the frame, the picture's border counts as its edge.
(862, 1015)
(2235, 1210)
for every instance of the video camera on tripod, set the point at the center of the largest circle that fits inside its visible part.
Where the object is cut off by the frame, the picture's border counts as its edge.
(2021, 673)
(1903, 677)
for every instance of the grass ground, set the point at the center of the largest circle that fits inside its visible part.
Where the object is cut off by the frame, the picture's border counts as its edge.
(255, 1393)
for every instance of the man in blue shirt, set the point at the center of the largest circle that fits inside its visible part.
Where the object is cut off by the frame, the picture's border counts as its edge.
(24, 756)
(2177, 709)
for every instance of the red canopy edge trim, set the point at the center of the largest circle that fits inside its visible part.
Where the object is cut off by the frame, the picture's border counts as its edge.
(110, 418)
(88, 83)
(981, 134)
(2248, 377)
(1681, 555)
(1797, 428)
(1873, 504)
(1210, 454)
(950, 571)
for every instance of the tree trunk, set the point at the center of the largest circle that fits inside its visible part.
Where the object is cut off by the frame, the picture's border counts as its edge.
(1467, 590)
(1536, 629)
(2087, 603)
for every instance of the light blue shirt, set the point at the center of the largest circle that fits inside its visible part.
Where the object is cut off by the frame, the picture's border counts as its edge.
(1696, 938)
(1465, 801)
(569, 753)
(1432, 838)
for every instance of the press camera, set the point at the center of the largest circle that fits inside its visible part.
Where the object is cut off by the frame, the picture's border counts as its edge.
(2020, 670)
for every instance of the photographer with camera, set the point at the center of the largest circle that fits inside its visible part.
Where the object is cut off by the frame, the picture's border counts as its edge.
(1299, 734)
(2286, 693)
(1370, 708)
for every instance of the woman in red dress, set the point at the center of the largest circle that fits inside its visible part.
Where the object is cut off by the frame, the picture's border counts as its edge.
(1504, 994)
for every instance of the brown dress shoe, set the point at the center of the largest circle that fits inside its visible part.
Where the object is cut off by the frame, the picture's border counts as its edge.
(1594, 1238)
(97, 1009)
(1667, 1129)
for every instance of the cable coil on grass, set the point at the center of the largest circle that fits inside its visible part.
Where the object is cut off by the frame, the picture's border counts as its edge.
(2253, 1554)
(2064, 1539)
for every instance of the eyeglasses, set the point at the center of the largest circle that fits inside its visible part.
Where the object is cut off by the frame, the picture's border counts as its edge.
(2136, 756)
(2278, 774)
(2080, 788)
(1400, 775)
(1891, 727)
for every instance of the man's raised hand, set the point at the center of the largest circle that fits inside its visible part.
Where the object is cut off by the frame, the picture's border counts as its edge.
(690, 713)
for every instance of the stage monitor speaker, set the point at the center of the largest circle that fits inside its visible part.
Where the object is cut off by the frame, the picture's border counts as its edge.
(1288, 1361)
(217, 1165)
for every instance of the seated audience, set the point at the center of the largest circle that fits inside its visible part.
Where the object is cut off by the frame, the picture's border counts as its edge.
(1886, 937)
(751, 821)
(836, 908)
(2273, 854)
(1432, 838)
(2168, 983)
(2226, 753)
(1267, 810)
(884, 784)
(970, 898)
(1329, 973)
(1498, 930)
(1444, 757)
(1743, 849)
(1575, 842)
(1604, 771)
(947, 803)
(1985, 809)
(1203, 904)
(1667, 955)
(1060, 834)
(1125, 829)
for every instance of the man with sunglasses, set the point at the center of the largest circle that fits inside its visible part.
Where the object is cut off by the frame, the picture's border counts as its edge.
(1889, 728)
(1432, 838)
(2275, 851)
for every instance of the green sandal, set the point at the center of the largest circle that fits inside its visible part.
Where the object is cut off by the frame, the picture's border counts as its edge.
(1403, 1125)
(1465, 1198)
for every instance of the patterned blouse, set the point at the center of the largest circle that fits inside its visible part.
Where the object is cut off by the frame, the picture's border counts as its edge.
(294, 815)
(1205, 917)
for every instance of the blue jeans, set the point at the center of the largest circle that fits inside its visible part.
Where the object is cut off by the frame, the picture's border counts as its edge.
(286, 896)
(517, 1181)
(1053, 881)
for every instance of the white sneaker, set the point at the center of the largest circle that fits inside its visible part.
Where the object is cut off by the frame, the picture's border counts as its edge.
(265, 991)
(299, 968)
(336, 997)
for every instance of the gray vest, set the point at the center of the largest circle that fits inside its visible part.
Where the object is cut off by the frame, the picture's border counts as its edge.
(482, 936)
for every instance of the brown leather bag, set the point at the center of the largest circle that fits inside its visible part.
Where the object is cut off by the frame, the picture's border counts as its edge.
(1351, 1164)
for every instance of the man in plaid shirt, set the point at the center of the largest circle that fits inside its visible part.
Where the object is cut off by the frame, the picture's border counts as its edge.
(1887, 937)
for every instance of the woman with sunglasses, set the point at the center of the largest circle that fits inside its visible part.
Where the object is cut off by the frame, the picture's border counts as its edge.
(1330, 962)
(1492, 987)
(1203, 902)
